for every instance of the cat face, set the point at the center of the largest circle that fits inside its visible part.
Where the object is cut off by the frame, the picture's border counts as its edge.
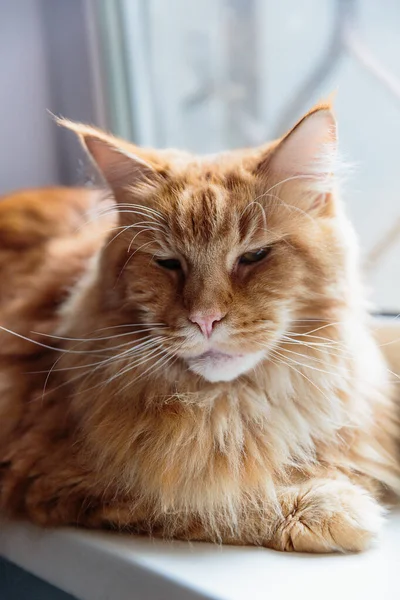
(223, 256)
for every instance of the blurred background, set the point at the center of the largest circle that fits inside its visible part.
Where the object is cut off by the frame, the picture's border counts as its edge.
(207, 75)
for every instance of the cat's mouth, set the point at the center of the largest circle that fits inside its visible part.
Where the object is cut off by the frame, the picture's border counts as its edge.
(215, 365)
(218, 355)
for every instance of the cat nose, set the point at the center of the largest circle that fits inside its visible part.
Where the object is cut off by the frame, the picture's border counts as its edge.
(206, 322)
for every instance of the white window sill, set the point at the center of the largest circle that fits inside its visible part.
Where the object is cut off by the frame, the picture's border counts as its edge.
(107, 566)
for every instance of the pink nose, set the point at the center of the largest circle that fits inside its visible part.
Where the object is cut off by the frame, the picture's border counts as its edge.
(206, 322)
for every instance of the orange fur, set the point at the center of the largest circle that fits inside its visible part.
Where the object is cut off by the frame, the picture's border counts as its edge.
(290, 443)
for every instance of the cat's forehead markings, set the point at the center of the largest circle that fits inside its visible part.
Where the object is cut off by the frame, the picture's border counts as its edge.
(202, 193)
(201, 211)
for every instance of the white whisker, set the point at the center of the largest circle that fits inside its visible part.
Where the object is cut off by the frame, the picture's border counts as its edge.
(136, 364)
(305, 377)
(132, 351)
(299, 364)
(109, 337)
(313, 358)
(130, 258)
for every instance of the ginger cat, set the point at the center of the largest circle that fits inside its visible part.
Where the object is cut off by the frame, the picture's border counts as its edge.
(207, 369)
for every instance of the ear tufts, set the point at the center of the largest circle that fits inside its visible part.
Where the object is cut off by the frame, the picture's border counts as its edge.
(307, 152)
(116, 159)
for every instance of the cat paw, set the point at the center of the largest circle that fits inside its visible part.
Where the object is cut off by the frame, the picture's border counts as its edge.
(328, 516)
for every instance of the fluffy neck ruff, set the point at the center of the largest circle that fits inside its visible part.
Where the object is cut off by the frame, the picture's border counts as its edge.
(174, 442)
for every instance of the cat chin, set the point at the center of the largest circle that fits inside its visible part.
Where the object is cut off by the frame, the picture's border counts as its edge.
(216, 367)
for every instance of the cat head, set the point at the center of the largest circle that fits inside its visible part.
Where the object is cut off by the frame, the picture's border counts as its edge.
(223, 256)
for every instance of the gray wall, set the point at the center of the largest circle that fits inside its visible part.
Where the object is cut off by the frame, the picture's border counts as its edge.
(27, 143)
(47, 62)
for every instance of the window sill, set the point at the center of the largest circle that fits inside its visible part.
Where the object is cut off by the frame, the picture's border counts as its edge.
(101, 566)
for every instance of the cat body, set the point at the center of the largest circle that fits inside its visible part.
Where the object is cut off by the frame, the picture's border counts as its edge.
(214, 376)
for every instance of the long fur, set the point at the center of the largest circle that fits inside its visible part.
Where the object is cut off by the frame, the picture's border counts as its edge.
(112, 428)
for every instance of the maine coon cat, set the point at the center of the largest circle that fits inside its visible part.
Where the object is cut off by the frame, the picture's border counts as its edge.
(210, 373)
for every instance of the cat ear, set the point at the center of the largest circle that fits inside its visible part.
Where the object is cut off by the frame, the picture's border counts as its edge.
(115, 159)
(306, 156)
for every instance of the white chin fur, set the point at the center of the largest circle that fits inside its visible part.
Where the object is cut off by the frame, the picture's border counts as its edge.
(223, 367)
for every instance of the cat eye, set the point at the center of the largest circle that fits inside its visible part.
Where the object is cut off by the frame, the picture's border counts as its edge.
(249, 258)
(172, 264)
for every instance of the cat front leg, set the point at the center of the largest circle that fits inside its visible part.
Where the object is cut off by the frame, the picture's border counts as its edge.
(324, 515)
(318, 515)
